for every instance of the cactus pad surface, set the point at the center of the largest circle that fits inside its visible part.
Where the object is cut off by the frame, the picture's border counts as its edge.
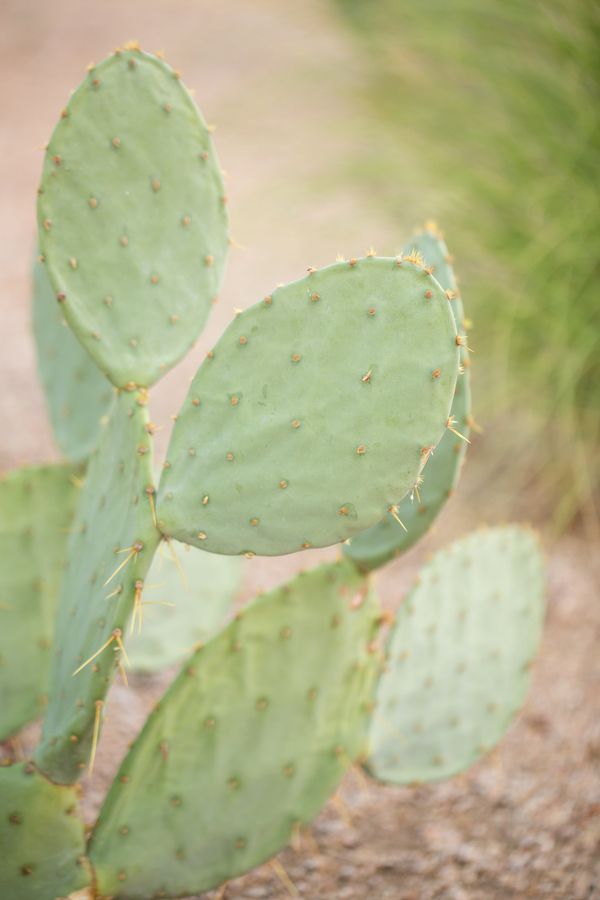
(316, 410)
(110, 550)
(77, 393)
(36, 509)
(41, 836)
(419, 509)
(459, 657)
(185, 603)
(247, 744)
(131, 217)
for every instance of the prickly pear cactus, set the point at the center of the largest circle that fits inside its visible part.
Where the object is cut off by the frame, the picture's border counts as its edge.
(132, 217)
(78, 395)
(247, 744)
(316, 410)
(414, 515)
(188, 597)
(41, 836)
(312, 418)
(36, 510)
(110, 550)
(459, 657)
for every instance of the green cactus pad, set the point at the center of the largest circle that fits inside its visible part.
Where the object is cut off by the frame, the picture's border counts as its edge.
(132, 218)
(36, 509)
(314, 412)
(41, 836)
(459, 657)
(199, 589)
(113, 527)
(381, 543)
(77, 393)
(247, 744)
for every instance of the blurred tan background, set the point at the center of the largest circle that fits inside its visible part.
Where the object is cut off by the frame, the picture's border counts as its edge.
(287, 86)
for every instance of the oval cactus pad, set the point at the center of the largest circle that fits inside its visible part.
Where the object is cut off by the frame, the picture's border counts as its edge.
(417, 511)
(36, 509)
(314, 413)
(41, 835)
(193, 596)
(131, 217)
(78, 395)
(111, 544)
(459, 657)
(247, 744)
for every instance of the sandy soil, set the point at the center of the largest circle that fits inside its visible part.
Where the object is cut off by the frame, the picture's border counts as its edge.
(281, 83)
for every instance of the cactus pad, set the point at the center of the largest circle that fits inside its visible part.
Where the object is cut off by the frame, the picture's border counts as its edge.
(36, 509)
(132, 218)
(186, 601)
(110, 549)
(459, 657)
(315, 411)
(41, 836)
(247, 744)
(417, 511)
(77, 393)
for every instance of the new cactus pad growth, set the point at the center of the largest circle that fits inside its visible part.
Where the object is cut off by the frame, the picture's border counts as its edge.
(327, 412)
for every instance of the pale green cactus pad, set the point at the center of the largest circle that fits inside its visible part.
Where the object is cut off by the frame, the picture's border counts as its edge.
(77, 393)
(41, 836)
(185, 603)
(132, 217)
(247, 744)
(36, 508)
(459, 657)
(315, 411)
(110, 550)
(418, 510)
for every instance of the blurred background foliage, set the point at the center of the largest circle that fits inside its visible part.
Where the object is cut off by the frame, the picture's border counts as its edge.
(490, 111)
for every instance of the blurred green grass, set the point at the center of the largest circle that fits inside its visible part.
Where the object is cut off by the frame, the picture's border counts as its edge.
(497, 105)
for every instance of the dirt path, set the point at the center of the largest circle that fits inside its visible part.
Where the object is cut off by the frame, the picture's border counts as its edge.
(281, 83)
